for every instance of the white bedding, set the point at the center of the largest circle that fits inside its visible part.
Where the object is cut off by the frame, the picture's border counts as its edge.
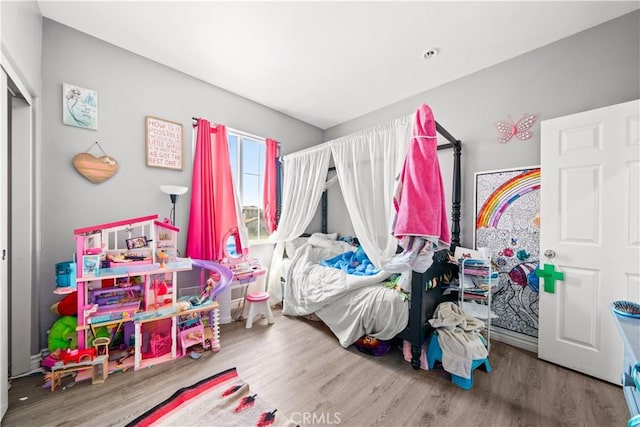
(351, 306)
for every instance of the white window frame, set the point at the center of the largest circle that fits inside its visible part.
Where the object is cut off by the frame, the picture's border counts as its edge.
(255, 138)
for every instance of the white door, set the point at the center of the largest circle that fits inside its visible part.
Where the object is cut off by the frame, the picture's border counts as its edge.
(4, 244)
(590, 218)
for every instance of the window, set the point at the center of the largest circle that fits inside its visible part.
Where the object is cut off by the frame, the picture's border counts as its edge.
(247, 155)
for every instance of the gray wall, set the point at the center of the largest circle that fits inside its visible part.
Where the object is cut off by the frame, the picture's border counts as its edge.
(129, 88)
(594, 68)
(22, 40)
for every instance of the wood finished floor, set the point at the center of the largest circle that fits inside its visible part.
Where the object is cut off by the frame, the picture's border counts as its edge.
(300, 368)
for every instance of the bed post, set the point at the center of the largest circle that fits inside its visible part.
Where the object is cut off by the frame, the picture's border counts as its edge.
(455, 203)
(324, 212)
(417, 327)
(415, 332)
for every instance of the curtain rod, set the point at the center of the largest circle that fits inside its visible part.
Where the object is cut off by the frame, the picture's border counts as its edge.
(230, 129)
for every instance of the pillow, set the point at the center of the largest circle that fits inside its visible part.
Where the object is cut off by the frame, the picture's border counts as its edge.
(292, 246)
(321, 241)
(330, 236)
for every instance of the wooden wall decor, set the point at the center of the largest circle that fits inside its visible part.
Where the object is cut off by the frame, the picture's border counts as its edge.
(95, 169)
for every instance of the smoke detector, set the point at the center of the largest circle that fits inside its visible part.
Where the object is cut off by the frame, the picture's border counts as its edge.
(431, 53)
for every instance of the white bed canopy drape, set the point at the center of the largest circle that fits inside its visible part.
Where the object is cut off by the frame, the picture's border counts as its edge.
(305, 173)
(367, 164)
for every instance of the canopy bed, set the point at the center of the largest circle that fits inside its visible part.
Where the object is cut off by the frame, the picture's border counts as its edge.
(367, 165)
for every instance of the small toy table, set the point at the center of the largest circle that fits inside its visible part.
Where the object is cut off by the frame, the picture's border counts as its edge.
(99, 367)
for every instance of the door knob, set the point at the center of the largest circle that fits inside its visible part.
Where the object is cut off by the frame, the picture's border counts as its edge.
(549, 253)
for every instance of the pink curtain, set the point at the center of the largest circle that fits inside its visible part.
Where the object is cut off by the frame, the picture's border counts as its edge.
(213, 214)
(269, 193)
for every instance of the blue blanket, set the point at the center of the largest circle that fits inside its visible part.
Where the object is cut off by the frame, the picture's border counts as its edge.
(353, 262)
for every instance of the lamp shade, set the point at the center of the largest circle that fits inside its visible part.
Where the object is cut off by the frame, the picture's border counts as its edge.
(173, 189)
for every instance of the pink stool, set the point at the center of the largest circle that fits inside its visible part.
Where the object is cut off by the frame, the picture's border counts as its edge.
(258, 304)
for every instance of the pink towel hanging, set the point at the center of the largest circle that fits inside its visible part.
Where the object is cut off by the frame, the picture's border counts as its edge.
(419, 200)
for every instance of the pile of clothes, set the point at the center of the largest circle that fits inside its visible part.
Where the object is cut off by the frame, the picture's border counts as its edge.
(459, 338)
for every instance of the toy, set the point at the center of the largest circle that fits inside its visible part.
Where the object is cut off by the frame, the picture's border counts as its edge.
(62, 334)
(67, 306)
(101, 345)
(182, 306)
(77, 356)
(206, 296)
(159, 288)
(373, 346)
(162, 256)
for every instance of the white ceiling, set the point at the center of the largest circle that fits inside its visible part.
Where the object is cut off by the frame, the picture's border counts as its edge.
(328, 62)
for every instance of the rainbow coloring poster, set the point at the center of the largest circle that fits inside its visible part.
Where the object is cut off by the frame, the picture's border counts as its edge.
(507, 222)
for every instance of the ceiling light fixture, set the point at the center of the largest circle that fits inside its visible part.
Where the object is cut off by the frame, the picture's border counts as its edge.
(431, 53)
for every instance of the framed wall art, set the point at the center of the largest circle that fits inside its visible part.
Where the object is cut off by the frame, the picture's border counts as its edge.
(163, 143)
(507, 208)
(79, 107)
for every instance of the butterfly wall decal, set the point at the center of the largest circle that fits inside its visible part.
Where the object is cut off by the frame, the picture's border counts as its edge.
(508, 129)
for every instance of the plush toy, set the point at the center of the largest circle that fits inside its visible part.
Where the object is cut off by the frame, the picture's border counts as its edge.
(373, 346)
(63, 334)
(67, 306)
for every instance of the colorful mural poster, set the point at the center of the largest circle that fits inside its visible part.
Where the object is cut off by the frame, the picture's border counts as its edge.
(507, 207)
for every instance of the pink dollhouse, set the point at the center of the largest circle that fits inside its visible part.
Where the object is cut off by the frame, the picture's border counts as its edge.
(126, 281)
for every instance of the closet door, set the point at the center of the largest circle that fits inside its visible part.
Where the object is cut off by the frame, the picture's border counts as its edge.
(4, 245)
(590, 219)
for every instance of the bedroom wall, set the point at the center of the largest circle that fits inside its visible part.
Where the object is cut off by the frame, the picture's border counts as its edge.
(129, 87)
(591, 69)
(22, 41)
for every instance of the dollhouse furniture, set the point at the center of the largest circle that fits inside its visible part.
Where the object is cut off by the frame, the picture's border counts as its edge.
(191, 336)
(99, 370)
(101, 344)
(222, 277)
(122, 285)
(629, 329)
(258, 304)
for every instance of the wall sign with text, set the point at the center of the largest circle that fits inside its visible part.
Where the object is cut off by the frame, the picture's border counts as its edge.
(164, 143)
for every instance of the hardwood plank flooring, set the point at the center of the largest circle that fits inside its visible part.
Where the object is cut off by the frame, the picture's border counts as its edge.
(300, 368)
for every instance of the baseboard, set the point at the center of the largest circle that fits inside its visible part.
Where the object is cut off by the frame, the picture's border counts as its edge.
(35, 364)
(36, 361)
(515, 339)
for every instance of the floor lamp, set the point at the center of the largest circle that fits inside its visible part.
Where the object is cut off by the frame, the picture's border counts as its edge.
(173, 191)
